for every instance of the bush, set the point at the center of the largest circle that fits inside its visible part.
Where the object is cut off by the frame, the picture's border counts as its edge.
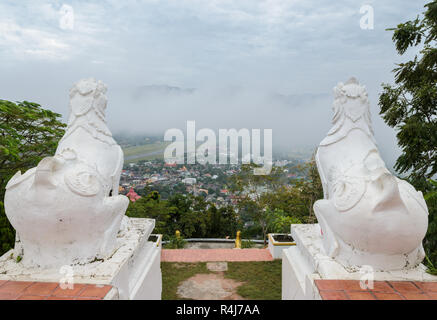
(175, 243)
(247, 244)
(279, 221)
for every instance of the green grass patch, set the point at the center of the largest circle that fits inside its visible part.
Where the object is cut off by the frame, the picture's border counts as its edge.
(261, 279)
(131, 151)
(173, 273)
(147, 158)
(145, 152)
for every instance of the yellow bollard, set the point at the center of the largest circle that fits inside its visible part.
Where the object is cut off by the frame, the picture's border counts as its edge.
(238, 240)
(178, 234)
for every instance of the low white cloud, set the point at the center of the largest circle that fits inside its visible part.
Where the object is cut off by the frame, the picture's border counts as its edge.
(31, 30)
(289, 47)
(22, 42)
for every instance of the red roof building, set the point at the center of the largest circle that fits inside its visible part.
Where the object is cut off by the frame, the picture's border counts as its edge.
(171, 165)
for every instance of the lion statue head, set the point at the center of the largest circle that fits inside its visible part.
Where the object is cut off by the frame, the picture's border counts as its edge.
(351, 102)
(88, 94)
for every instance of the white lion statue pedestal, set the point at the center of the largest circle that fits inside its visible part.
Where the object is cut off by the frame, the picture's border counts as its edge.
(371, 224)
(367, 216)
(67, 210)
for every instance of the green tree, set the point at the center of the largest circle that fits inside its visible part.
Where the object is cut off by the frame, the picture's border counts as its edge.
(297, 198)
(27, 134)
(229, 222)
(261, 196)
(430, 241)
(310, 189)
(182, 203)
(279, 221)
(193, 216)
(253, 192)
(222, 222)
(410, 105)
(151, 206)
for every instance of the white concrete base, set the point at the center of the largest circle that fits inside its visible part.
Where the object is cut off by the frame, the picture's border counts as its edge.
(276, 247)
(306, 262)
(133, 269)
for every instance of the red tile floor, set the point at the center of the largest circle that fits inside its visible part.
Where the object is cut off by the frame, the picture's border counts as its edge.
(23, 290)
(382, 290)
(203, 255)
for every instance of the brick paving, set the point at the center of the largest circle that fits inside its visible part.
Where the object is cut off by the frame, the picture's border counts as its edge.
(382, 290)
(210, 255)
(24, 290)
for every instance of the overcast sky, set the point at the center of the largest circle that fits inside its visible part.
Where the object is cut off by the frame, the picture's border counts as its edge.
(254, 64)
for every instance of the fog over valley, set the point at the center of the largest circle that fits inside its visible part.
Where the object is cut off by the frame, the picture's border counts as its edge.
(225, 64)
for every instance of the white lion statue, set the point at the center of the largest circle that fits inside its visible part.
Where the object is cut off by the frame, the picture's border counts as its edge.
(367, 216)
(67, 210)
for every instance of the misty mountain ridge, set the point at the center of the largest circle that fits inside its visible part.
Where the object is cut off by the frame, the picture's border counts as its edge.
(159, 90)
(164, 90)
(299, 100)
